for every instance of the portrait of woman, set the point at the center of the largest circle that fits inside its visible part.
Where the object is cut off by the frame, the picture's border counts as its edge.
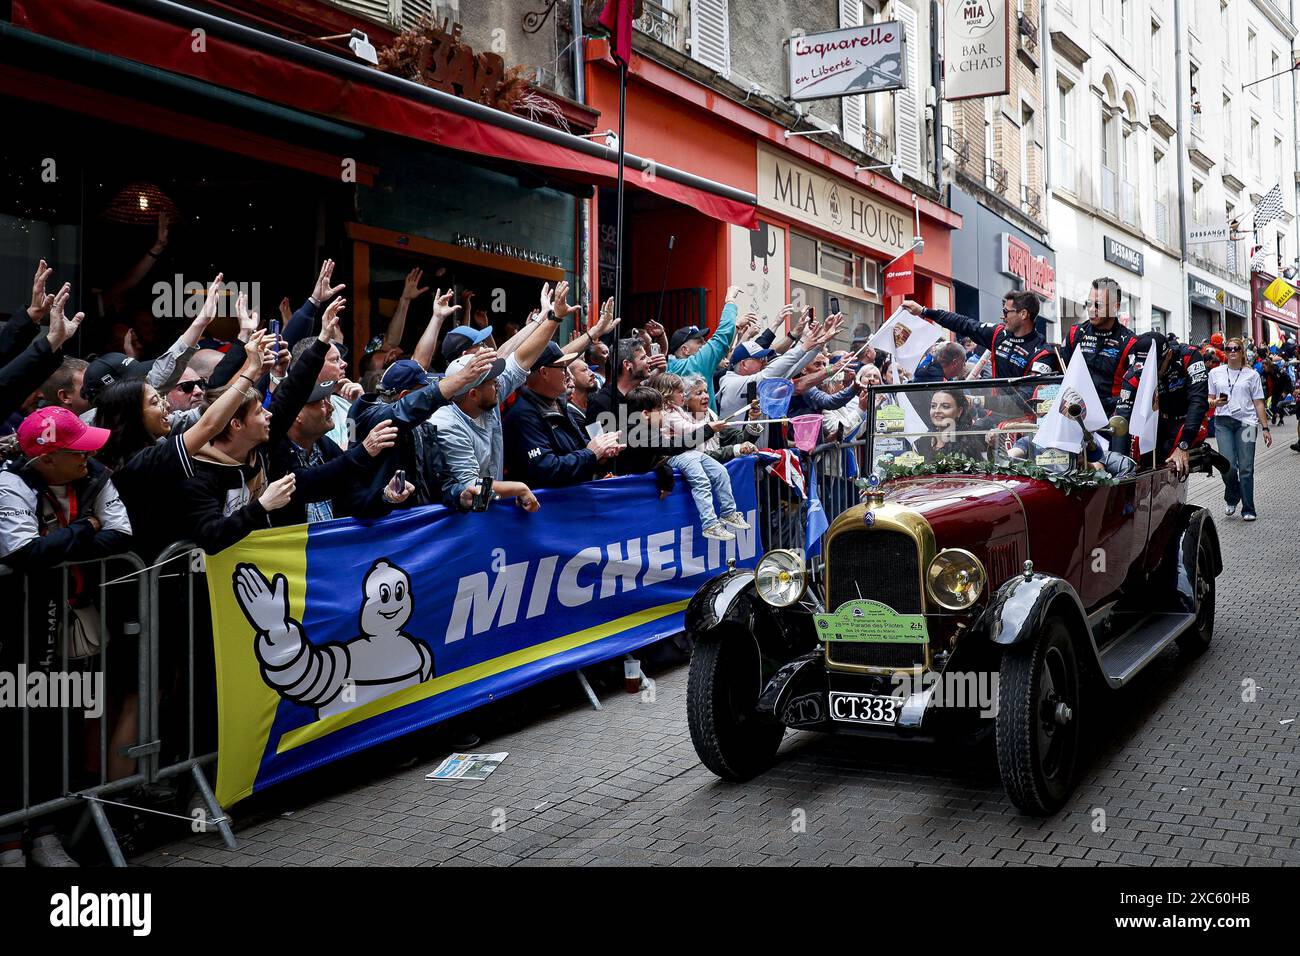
(949, 415)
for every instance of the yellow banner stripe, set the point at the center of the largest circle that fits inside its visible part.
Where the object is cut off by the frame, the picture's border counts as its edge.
(468, 675)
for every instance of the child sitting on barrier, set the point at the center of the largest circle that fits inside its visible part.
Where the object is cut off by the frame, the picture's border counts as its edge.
(677, 431)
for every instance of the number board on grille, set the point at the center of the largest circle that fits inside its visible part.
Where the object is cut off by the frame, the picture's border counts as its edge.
(870, 622)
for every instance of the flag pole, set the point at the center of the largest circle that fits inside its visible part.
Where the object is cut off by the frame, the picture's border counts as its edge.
(618, 225)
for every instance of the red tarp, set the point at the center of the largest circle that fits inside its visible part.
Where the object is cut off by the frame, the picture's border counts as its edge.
(92, 24)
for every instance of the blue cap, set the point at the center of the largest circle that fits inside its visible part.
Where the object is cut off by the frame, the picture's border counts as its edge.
(404, 375)
(461, 338)
(748, 350)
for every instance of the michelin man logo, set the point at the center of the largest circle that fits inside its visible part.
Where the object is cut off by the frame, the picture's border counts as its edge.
(382, 659)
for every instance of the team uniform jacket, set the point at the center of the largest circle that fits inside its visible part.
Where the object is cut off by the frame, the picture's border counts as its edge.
(1107, 354)
(1183, 395)
(1013, 355)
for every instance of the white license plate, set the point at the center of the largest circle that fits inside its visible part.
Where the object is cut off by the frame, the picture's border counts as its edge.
(877, 709)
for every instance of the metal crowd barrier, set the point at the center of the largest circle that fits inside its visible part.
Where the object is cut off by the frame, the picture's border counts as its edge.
(782, 512)
(125, 600)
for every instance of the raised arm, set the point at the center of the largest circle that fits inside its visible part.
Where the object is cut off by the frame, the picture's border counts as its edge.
(258, 358)
(442, 310)
(411, 290)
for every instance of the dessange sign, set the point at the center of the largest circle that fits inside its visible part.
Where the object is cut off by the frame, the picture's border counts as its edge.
(864, 59)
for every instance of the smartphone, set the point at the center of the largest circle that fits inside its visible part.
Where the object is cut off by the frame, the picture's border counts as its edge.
(654, 348)
(835, 305)
(485, 492)
(275, 330)
(398, 484)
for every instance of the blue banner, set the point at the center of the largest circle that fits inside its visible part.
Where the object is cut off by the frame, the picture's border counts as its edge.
(333, 637)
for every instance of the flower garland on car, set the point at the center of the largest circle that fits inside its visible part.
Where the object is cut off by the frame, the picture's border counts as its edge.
(963, 465)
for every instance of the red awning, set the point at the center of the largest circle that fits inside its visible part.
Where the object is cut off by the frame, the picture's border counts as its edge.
(94, 24)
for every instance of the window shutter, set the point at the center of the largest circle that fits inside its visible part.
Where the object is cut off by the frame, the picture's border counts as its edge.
(381, 11)
(854, 107)
(711, 35)
(907, 102)
(411, 12)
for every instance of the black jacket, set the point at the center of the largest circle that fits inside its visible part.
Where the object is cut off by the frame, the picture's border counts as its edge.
(416, 449)
(221, 496)
(545, 446)
(1107, 354)
(344, 477)
(1183, 395)
(1013, 355)
(79, 541)
(26, 372)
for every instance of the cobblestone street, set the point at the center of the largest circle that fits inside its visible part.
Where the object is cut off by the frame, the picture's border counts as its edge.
(1185, 771)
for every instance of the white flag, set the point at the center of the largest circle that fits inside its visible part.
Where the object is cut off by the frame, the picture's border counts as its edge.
(907, 338)
(1145, 419)
(1057, 429)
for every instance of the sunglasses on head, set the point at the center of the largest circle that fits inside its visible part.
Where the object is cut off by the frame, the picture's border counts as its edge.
(188, 387)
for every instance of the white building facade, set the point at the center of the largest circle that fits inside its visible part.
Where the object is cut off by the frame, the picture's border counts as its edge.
(1113, 181)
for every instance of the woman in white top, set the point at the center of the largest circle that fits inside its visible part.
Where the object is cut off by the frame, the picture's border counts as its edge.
(1237, 397)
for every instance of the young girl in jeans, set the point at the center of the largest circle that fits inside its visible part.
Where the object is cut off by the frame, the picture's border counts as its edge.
(707, 478)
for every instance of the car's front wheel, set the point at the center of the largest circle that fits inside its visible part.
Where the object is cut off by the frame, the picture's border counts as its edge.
(1038, 723)
(722, 688)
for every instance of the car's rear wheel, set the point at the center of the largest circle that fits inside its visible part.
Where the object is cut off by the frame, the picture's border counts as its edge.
(1196, 639)
(1038, 723)
(722, 688)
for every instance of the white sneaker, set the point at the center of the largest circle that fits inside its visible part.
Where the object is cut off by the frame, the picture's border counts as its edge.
(48, 851)
(1229, 510)
(718, 533)
(12, 858)
(1247, 516)
(736, 520)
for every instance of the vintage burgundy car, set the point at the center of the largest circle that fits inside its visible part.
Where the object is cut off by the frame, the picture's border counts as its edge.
(987, 585)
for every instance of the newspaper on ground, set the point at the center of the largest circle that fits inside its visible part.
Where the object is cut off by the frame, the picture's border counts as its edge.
(467, 767)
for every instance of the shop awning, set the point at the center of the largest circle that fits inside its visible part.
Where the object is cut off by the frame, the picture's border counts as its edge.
(159, 33)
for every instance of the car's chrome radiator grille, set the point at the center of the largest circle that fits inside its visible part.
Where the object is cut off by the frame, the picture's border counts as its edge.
(881, 566)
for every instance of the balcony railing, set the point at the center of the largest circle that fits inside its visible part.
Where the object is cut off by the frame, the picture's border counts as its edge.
(659, 22)
(960, 147)
(996, 177)
(1128, 203)
(1109, 190)
(1031, 202)
(1162, 221)
(876, 144)
(1067, 167)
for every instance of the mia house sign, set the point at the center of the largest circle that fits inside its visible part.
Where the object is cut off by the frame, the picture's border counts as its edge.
(975, 48)
(865, 59)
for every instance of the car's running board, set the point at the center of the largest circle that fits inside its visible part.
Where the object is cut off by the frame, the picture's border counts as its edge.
(1124, 657)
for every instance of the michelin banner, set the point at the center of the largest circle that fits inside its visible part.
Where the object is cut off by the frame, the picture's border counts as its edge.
(333, 637)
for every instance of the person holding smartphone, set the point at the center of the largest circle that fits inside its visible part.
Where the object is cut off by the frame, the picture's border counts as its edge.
(1237, 397)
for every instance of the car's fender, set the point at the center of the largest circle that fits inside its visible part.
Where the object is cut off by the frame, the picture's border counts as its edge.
(1023, 603)
(730, 604)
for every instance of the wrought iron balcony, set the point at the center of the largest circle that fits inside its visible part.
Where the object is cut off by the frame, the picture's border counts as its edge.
(659, 22)
(959, 145)
(997, 177)
(1031, 202)
(876, 144)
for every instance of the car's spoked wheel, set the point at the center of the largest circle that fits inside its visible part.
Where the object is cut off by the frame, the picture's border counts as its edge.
(723, 686)
(1038, 723)
(1197, 639)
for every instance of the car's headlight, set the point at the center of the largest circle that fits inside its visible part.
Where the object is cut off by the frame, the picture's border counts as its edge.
(781, 578)
(955, 579)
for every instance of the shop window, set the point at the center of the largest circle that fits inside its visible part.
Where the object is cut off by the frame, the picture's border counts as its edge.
(803, 253)
(870, 270)
(836, 265)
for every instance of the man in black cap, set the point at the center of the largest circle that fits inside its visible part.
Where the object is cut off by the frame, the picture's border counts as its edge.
(332, 483)
(686, 341)
(545, 446)
(1183, 399)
